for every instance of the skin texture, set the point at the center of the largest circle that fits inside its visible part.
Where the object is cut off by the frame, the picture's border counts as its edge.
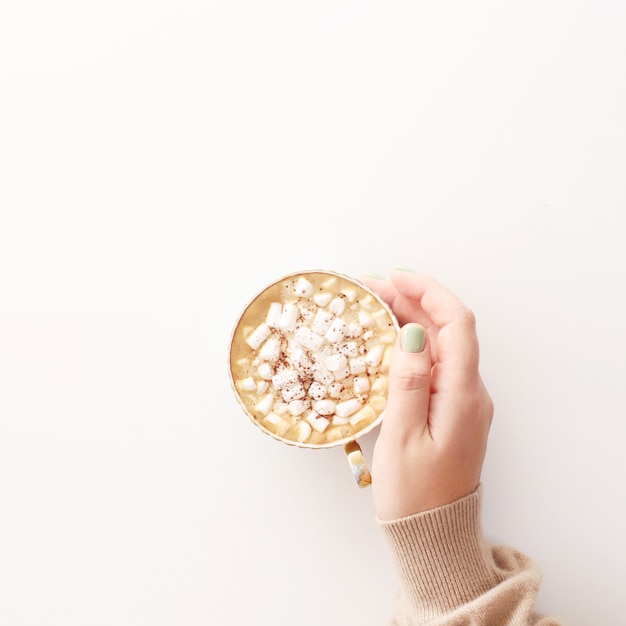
(433, 438)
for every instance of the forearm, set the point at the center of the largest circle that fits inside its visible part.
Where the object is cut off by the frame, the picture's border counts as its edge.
(448, 572)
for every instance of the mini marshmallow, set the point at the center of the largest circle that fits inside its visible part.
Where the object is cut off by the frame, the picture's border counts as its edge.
(265, 404)
(297, 407)
(294, 392)
(317, 391)
(322, 322)
(301, 361)
(322, 298)
(365, 319)
(319, 423)
(306, 313)
(273, 314)
(302, 431)
(285, 378)
(248, 384)
(262, 386)
(288, 317)
(322, 375)
(354, 330)
(340, 421)
(306, 337)
(265, 371)
(381, 317)
(337, 331)
(280, 426)
(324, 407)
(337, 306)
(347, 408)
(342, 373)
(366, 413)
(374, 356)
(361, 384)
(349, 349)
(258, 336)
(336, 362)
(303, 288)
(335, 389)
(380, 384)
(270, 350)
(357, 365)
(350, 294)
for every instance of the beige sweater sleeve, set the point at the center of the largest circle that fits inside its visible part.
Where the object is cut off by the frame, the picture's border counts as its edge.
(450, 576)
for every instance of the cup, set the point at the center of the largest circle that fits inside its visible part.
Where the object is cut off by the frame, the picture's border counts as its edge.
(309, 359)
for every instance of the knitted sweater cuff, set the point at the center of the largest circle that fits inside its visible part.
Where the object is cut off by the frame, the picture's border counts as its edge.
(442, 558)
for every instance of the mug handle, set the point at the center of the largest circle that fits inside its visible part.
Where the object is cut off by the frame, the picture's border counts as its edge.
(357, 463)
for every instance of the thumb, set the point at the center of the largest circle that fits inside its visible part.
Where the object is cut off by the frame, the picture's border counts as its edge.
(409, 381)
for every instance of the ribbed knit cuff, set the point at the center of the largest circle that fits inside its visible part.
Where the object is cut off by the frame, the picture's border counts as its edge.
(442, 558)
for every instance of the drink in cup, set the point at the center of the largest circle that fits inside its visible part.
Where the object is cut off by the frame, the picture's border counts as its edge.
(309, 359)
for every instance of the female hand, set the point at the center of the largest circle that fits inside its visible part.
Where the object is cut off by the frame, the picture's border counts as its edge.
(433, 438)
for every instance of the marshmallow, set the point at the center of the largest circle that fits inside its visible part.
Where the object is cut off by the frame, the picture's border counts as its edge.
(366, 413)
(258, 336)
(273, 314)
(285, 378)
(336, 362)
(270, 350)
(361, 384)
(265, 404)
(365, 319)
(262, 386)
(297, 407)
(247, 384)
(357, 365)
(349, 293)
(303, 288)
(302, 431)
(308, 339)
(347, 408)
(293, 392)
(288, 317)
(322, 375)
(335, 389)
(337, 331)
(337, 306)
(322, 298)
(349, 349)
(301, 361)
(319, 423)
(317, 391)
(324, 407)
(342, 373)
(321, 322)
(265, 371)
(374, 356)
(280, 425)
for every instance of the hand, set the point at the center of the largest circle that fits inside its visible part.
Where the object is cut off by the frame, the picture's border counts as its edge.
(433, 437)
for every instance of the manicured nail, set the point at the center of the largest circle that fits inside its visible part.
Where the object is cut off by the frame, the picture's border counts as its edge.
(405, 268)
(413, 338)
(374, 275)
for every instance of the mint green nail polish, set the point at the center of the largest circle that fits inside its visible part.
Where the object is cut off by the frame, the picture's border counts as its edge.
(404, 268)
(374, 275)
(413, 338)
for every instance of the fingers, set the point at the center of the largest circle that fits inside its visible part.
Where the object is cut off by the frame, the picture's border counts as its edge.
(409, 382)
(456, 341)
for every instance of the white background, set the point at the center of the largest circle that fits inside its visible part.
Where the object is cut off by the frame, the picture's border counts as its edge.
(161, 161)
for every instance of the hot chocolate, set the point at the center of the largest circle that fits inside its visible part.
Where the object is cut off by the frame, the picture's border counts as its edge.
(309, 358)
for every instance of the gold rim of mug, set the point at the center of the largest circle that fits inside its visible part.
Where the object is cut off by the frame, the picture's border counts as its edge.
(291, 442)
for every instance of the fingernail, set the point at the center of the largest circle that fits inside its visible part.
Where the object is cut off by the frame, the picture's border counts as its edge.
(404, 268)
(374, 275)
(413, 338)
